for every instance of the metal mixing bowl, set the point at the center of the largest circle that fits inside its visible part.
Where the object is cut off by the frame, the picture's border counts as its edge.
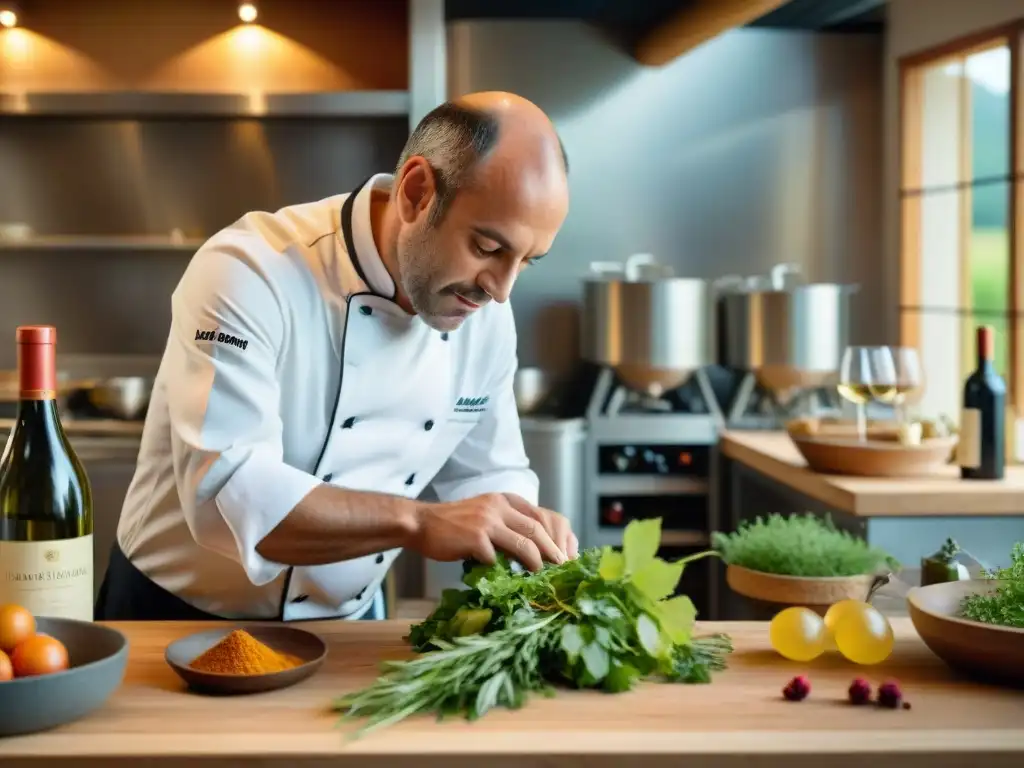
(124, 397)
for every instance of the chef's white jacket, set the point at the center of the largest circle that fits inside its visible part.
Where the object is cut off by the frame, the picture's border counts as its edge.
(288, 365)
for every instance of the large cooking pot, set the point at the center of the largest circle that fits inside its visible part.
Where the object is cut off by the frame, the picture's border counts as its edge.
(790, 334)
(647, 324)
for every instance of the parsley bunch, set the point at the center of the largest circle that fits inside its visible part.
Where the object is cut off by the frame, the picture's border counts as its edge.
(602, 621)
(800, 545)
(1004, 606)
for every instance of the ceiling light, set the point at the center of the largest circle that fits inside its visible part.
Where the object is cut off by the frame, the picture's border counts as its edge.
(247, 12)
(8, 18)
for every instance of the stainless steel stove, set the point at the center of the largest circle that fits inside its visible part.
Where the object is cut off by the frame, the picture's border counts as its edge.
(648, 457)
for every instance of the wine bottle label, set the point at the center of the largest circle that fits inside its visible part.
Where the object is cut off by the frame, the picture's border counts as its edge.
(49, 578)
(969, 447)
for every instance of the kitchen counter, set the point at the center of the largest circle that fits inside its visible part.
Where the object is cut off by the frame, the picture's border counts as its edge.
(739, 719)
(773, 455)
(763, 472)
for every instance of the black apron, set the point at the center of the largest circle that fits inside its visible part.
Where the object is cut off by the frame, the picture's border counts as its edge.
(127, 594)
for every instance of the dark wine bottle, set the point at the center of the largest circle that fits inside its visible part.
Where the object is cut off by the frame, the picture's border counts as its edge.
(981, 452)
(46, 523)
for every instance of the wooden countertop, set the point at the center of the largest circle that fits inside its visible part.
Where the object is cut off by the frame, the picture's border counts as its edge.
(739, 719)
(773, 454)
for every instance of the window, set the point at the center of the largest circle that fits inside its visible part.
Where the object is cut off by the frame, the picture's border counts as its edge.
(961, 211)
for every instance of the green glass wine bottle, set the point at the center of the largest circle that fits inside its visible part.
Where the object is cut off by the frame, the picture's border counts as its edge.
(46, 522)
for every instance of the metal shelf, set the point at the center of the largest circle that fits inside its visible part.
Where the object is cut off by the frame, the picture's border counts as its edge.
(143, 104)
(102, 243)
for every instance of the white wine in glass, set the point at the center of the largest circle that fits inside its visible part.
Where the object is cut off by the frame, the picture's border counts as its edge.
(863, 368)
(906, 383)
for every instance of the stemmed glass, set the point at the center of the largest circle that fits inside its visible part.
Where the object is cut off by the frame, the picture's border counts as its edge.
(863, 371)
(897, 379)
(909, 381)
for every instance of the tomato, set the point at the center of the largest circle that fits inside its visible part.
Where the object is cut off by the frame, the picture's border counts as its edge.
(39, 655)
(6, 670)
(17, 624)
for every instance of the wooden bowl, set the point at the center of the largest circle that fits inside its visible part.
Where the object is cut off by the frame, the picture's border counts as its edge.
(779, 591)
(984, 651)
(835, 455)
(297, 642)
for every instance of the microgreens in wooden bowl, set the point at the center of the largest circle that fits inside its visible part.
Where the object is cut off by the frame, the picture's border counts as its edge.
(800, 560)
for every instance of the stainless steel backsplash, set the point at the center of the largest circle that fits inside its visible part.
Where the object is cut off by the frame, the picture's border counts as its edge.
(128, 177)
(756, 148)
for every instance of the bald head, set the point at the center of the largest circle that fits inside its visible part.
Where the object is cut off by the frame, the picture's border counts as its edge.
(480, 193)
(481, 132)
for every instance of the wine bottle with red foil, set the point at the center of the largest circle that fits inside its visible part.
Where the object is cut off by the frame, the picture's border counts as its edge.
(981, 452)
(46, 554)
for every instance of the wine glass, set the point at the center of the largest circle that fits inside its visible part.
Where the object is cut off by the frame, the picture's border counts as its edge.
(897, 379)
(909, 379)
(863, 368)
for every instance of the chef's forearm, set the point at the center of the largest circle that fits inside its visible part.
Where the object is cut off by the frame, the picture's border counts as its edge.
(332, 524)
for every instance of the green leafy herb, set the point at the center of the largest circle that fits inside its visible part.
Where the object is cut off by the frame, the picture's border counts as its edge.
(602, 621)
(800, 545)
(1004, 606)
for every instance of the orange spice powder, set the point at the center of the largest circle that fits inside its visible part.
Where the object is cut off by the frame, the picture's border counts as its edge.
(239, 653)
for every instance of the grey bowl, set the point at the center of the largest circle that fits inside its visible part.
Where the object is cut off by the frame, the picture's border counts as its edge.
(98, 656)
(297, 642)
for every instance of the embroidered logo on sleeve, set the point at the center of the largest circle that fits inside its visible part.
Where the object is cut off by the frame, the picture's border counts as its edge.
(472, 404)
(222, 338)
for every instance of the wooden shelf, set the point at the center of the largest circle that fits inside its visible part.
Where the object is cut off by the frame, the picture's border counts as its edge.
(144, 104)
(103, 243)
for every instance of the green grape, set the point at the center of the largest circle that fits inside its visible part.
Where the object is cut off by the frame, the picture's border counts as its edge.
(864, 636)
(798, 633)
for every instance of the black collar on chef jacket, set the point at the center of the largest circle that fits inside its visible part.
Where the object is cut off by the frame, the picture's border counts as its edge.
(347, 234)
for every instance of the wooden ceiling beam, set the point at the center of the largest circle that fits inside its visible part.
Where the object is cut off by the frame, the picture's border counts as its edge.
(698, 22)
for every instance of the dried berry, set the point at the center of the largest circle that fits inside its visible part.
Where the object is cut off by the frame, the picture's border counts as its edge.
(860, 691)
(890, 695)
(797, 689)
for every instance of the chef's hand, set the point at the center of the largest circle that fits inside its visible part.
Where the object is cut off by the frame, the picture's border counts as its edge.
(475, 528)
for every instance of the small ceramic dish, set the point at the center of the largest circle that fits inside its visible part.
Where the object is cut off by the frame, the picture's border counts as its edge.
(297, 642)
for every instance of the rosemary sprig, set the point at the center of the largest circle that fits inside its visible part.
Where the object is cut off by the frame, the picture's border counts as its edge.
(468, 675)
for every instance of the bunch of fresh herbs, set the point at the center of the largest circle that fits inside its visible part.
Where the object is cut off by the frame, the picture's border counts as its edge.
(800, 545)
(1004, 606)
(603, 620)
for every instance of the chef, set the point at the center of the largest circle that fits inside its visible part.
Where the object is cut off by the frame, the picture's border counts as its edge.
(328, 362)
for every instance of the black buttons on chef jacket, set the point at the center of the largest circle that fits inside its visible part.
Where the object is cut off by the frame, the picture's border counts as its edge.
(348, 423)
(444, 336)
(327, 477)
(366, 310)
(410, 479)
(429, 425)
(300, 599)
(380, 559)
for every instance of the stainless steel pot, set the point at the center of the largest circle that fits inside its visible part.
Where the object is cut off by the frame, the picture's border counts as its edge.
(791, 335)
(647, 324)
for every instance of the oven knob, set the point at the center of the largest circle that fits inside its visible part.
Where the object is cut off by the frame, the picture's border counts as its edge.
(613, 514)
(621, 462)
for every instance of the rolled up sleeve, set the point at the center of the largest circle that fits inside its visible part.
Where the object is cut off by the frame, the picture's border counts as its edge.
(491, 457)
(228, 326)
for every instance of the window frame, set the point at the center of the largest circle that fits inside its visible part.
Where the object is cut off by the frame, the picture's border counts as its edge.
(910, 107)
